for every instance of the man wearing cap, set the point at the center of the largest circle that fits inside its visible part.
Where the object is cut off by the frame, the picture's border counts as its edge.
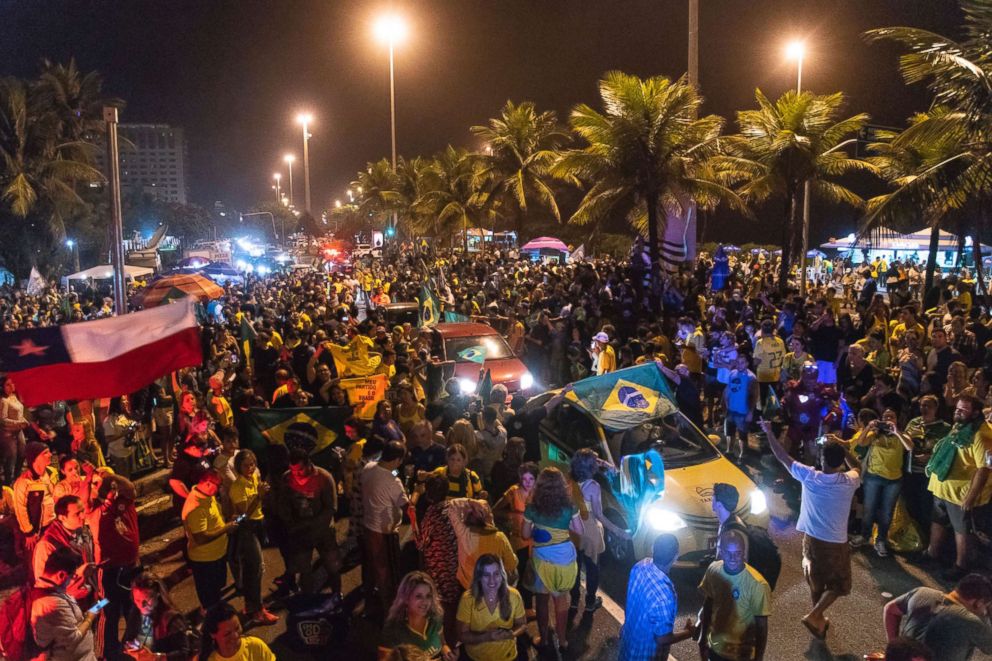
(603, 354)
(34, 503)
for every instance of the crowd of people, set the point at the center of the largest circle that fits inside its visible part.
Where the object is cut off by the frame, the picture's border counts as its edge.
(869, 391)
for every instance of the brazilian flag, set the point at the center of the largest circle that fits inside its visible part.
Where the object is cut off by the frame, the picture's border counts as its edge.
(430, 307)
(455, 317)
(626, 398)
(314, 428)
(248, 336)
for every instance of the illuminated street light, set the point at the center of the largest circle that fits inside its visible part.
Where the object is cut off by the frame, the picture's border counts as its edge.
(305, 119)
(796, 50)
(392, 30)
(337, 204)
(288, 160)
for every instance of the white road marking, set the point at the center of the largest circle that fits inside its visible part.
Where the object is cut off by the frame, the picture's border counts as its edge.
(617, 613)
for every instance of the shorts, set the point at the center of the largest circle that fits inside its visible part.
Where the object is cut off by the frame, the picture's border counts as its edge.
(735, 423)
(827, 566)
(827, 372)
(163, 419)
(947, 513)
(550, 577)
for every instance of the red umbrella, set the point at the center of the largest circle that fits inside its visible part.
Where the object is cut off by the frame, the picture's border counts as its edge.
(175, 286)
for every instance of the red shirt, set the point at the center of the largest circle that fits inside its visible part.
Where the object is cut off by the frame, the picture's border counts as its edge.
(117, 538)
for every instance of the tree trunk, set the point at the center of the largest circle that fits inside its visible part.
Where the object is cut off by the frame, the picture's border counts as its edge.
(787, 232)
(932, 257)
(653, 237)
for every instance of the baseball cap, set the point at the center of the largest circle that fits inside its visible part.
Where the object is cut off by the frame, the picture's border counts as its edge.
(601, 337)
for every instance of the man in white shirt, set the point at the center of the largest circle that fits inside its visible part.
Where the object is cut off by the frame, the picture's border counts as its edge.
(383, 503)
(824, 510)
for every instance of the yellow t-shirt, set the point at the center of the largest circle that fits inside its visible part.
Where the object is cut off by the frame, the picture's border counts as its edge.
(252, 649)
(243, 490)
(737, 600)
(477, 617)
(691, 356)
(769, 354)
(886, 455)
(607, 361)
(200, 514)
(968, 460)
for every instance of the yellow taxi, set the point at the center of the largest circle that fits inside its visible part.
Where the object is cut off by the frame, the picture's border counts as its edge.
(638, 495)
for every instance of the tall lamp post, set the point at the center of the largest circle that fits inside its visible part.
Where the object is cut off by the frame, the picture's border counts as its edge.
(796, 50)
(305, 119)
(391, 29)
(288, 159)
(74, 251)
(278, 178)
(116, 216)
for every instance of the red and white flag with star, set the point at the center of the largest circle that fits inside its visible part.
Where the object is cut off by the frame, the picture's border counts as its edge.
(103, 358)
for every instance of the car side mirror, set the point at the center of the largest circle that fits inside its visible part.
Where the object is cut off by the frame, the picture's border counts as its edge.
(714, 439)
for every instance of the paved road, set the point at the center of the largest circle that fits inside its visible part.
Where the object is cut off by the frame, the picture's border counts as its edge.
(856, 620)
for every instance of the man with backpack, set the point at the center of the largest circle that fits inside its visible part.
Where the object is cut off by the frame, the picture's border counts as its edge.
(762, 554)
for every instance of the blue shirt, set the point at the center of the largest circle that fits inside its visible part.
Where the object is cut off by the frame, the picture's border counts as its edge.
(651, 608)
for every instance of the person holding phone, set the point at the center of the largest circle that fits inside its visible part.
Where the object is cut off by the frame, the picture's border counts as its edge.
(206, 535)
(59, 625)
(491, 613)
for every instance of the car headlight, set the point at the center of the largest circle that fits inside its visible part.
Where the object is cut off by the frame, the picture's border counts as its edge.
(759, 502)
(526, 381)
(662, 519)
(467, 386)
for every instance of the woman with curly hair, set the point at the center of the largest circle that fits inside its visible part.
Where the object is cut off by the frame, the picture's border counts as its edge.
(490, 613)
(548, 519)
(416, 618)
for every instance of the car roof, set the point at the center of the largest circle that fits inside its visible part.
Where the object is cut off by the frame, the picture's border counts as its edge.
(464, 329)
(400, 306)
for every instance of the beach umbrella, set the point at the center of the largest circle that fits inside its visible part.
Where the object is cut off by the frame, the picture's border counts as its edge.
(171, 287)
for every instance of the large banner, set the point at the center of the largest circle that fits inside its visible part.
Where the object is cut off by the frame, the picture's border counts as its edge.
(314, 427)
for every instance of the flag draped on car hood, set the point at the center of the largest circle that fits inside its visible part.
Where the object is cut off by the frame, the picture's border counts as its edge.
(103, 358)
(626, 398)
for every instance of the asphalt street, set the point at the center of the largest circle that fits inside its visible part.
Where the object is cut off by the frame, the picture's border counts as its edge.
(856, 627)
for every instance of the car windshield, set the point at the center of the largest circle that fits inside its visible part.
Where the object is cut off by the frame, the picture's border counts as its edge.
(464, 349)
(680, 443)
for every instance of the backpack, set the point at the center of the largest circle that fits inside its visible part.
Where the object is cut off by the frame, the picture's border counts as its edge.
(16, 637)
(763, 554)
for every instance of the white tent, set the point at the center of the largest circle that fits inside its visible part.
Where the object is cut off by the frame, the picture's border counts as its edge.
(106, 272)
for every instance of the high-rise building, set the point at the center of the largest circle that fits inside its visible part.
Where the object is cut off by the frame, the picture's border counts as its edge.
(153, 161)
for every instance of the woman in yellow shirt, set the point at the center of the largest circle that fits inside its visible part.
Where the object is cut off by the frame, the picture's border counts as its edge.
(246, 494)
(490, 614)
(884, 465)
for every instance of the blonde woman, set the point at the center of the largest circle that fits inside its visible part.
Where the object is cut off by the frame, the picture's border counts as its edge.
(957, 383)
(416, 619)
(491, 613)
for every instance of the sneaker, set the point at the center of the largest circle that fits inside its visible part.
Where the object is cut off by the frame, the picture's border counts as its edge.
(264, 617)
(595, 605)
(882, 549)
(857, 541)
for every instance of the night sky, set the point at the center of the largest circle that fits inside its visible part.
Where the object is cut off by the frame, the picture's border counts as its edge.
(234, 73)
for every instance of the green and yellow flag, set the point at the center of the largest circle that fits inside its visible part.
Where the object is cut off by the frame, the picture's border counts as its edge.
(316, 428)
(248, 336)
(354, 359)
(430, 307)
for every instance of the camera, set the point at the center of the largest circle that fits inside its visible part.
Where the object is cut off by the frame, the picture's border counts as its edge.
(885, 427)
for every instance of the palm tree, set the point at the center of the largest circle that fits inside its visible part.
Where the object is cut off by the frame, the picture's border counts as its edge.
(647, 155)
(39, 166)
(904, 159)
(450, 200)
(959, 76)
(521, 146)
(784, 144)
(377, 183)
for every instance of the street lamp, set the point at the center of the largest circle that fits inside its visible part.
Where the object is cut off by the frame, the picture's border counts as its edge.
(796, 50)
(305, 119)
(288, 159)
(391, 29)
(278, 178)
(74, 251)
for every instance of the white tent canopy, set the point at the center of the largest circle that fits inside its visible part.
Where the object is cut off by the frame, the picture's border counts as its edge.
(106, 272)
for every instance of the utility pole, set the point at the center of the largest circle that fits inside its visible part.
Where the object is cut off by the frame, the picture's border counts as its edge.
(116, 216)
